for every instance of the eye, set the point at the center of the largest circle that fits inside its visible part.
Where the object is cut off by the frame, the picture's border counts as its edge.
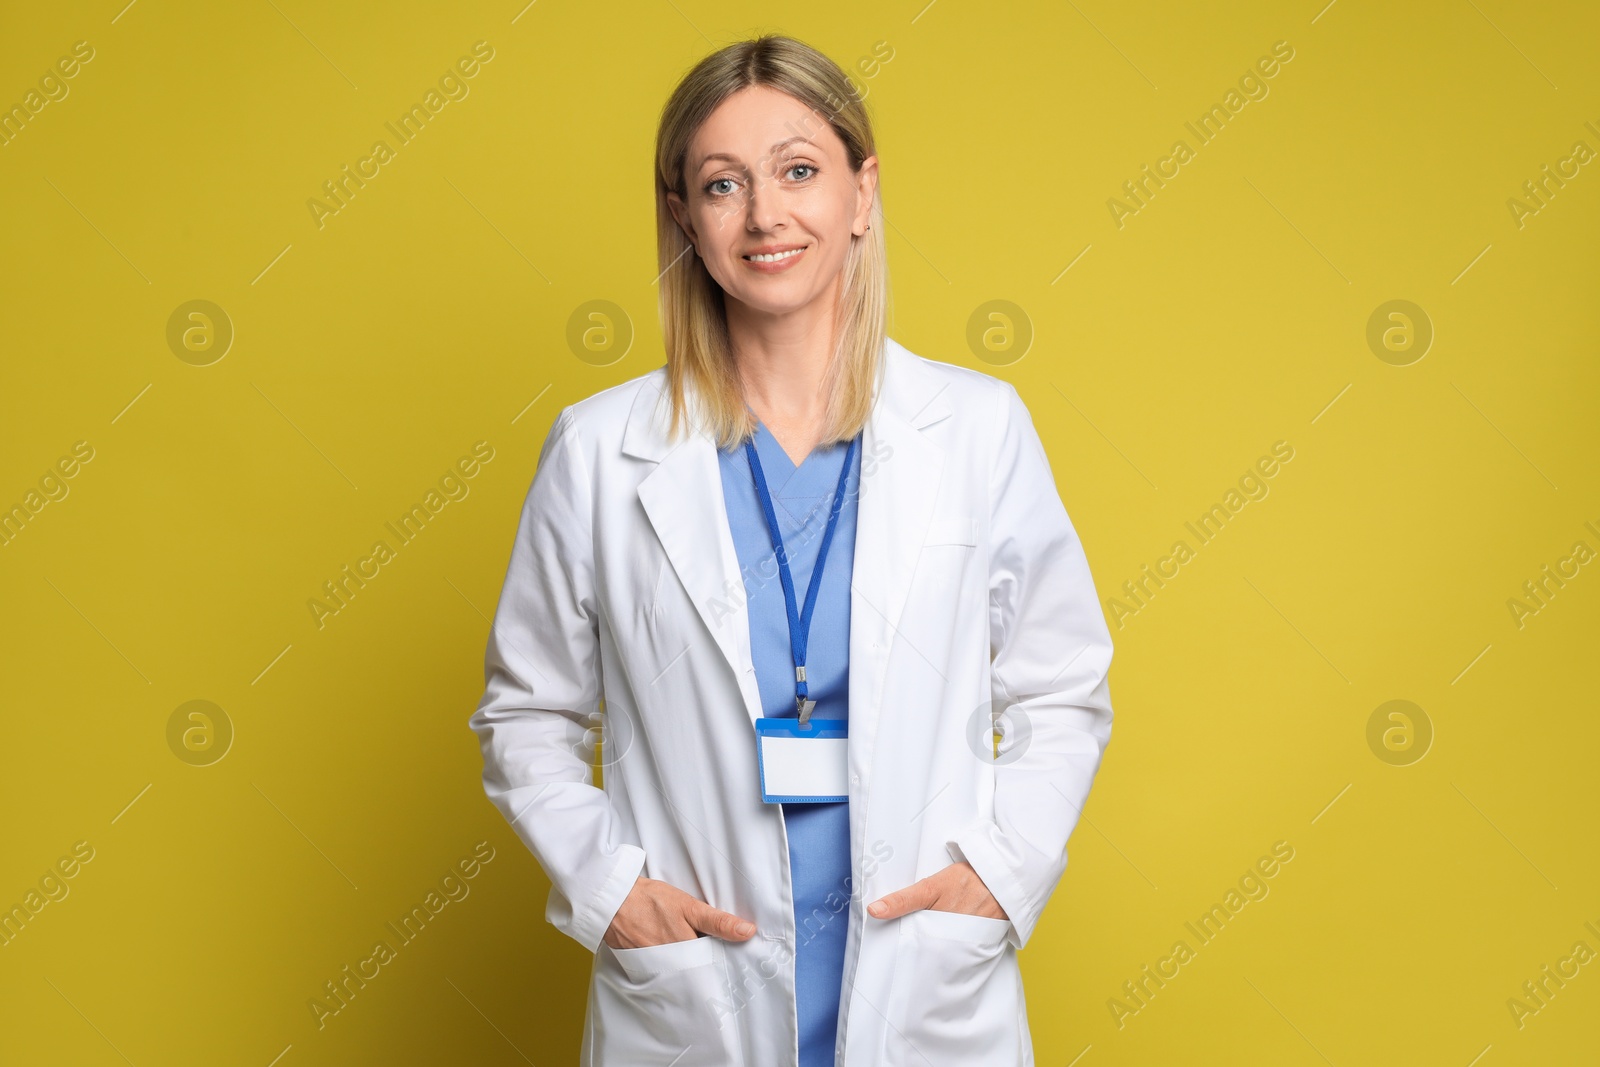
(803, 166)
(712, 190)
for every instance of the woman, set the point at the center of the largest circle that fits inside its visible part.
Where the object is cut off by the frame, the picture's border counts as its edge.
(793, 490)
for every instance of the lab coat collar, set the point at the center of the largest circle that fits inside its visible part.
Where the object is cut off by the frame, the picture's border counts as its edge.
(899, 480)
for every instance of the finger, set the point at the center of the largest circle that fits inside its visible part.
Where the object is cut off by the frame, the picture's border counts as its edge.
(722, 924)
(913, 897)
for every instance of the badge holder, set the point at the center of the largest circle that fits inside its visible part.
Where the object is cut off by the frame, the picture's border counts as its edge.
(803, 765)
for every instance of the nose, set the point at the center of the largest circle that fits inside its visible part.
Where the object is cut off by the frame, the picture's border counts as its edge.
(764, 208)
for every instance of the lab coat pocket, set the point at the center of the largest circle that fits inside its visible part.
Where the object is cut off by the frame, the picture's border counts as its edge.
(952, 531)
(659, 1005)
(956, 992)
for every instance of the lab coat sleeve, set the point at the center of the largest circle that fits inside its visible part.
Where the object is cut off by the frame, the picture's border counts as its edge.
(1050, 654)
(542, 688)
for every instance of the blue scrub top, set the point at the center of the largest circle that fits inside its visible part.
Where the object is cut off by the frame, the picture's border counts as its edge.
(818, 834)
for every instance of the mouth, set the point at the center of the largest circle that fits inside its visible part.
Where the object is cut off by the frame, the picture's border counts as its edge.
(773, 255)
(773, 259)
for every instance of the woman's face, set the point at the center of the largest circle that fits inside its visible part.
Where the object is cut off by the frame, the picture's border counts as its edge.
(766, 174)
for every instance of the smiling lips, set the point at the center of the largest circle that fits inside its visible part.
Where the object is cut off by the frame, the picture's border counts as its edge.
(772, 260)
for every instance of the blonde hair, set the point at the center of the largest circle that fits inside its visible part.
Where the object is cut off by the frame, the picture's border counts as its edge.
(694, 322)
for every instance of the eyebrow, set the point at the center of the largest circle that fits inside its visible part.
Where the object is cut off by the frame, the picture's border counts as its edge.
(772, 152)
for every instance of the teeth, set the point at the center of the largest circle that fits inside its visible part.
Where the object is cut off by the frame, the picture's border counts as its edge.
(773, 258)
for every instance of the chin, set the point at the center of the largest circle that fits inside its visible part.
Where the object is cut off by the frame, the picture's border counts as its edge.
(774, 304)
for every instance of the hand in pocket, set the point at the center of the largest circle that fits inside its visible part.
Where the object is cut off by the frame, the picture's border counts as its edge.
(659, 913)
(956, 888)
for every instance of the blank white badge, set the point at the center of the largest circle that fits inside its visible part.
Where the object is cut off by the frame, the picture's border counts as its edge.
(801, 766)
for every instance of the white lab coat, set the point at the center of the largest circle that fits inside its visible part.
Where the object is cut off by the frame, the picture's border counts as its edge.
(970, 592)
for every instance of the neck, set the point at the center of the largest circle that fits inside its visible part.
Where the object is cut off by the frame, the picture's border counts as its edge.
(782, 360)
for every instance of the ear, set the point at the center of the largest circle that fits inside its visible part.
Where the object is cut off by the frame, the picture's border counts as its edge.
(680, 214)
(866, 192)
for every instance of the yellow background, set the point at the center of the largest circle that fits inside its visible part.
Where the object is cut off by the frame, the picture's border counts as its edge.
(432, 312)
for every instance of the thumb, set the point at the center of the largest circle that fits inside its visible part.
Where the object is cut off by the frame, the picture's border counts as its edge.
(720, 924)
(913, 897)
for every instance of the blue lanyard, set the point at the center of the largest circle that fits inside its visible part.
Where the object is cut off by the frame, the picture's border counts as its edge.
(799, 621)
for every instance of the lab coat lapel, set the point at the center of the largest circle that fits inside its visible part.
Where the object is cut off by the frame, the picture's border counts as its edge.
(683, 499)
(899, 481)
